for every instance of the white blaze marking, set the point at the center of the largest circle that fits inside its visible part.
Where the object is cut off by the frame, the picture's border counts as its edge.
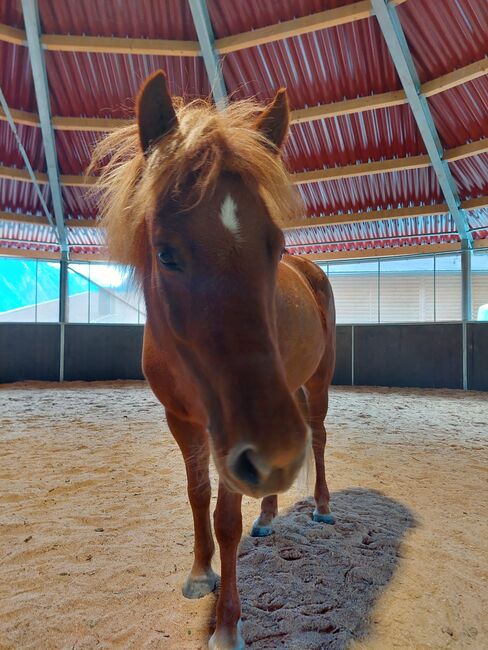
(228, 215)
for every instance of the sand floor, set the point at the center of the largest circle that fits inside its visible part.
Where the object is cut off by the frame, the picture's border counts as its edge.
(96, 535)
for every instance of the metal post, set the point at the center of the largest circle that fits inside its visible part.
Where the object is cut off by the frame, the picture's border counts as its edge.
(63, 310)
(39, 74)
(353, 355)
(466, 307)
(211, 58)
(466, 281)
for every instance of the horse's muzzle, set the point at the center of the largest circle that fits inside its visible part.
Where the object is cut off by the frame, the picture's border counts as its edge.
(250, 472)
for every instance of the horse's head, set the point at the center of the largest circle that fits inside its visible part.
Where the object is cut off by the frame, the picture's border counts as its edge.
(212, 249)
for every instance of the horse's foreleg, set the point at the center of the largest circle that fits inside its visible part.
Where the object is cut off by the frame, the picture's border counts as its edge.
(193, 442)
(228, 528)
(269, 509)
(318, 401)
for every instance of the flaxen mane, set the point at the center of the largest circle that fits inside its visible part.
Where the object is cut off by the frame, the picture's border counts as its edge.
(192, 157)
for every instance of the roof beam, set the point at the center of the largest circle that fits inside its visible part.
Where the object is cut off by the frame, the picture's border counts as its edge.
(370, 215)
(361, 169)
(296, 27)
(475, 148)
(12, 35)
(397, 45)
(398, 251)
(33, 31)
(117, 45)
(299, 178)
(455, 78)
(392, 214)
(206, 38)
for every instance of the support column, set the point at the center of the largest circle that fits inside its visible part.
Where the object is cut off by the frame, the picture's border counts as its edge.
(466, 306)
(63, 310)
(466, 281)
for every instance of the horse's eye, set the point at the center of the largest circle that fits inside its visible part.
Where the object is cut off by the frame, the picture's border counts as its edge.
(169, 259)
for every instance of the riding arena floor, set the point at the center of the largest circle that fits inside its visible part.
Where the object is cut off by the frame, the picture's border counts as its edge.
(96, 533)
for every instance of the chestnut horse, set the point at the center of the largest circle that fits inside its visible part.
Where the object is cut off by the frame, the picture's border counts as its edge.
(239, 347)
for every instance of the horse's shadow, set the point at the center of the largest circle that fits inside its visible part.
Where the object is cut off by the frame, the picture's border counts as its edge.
(312, 586)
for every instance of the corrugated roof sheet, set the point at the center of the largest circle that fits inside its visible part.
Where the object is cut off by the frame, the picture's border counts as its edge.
(97, 85)
(446, 35)
(74, 150)
(170, 19)
(348, 139)
(460, 113)
(325, 66)
(16, 77)
(16, 196)
(471, 176)
(230, 17)
(31, 138)
(398, 189)
(78, 203)
(11, 13)
(411, 230)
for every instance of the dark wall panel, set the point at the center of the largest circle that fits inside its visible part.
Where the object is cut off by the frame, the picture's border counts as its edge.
(29, 351)
(99, 352)
(343, 368)
(418, 355)
(477, 336)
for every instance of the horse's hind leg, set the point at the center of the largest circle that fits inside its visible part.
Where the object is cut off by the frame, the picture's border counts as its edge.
(318, 402)
(193, 442)
(269, 509)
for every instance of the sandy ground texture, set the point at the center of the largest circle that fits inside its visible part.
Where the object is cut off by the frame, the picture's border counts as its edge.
(96, 534)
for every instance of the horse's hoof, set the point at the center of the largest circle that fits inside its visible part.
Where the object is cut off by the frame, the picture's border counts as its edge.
(260, 531)
(323, 519)
(221, 640)
(199, 587)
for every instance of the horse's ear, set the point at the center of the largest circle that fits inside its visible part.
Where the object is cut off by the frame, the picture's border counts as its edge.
(155, 112)
(274, 120)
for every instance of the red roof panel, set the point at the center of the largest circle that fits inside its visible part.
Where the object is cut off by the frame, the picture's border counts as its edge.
(414, 186)
(74, 150)
(106, 84)
(16, 196)
(460, 114)
(445, 35)
(11, 13)
(348, 139)
(31, 138)
(317, 68)
(230, 17)
(440, 227)
(471, 176)
(78, 204)
(16, 77)
(170, 19)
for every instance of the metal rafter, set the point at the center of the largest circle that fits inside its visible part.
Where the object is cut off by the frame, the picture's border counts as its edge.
(391, 28)
(211, 58)
(33, 31)
(25, 157)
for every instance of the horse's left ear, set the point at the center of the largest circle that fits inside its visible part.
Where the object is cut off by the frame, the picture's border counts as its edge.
(275, 119)
(156, 115)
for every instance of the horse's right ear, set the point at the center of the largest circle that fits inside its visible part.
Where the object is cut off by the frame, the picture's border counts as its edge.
(155, 112)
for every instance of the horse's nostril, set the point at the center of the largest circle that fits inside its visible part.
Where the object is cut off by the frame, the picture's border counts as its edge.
(244, 468)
